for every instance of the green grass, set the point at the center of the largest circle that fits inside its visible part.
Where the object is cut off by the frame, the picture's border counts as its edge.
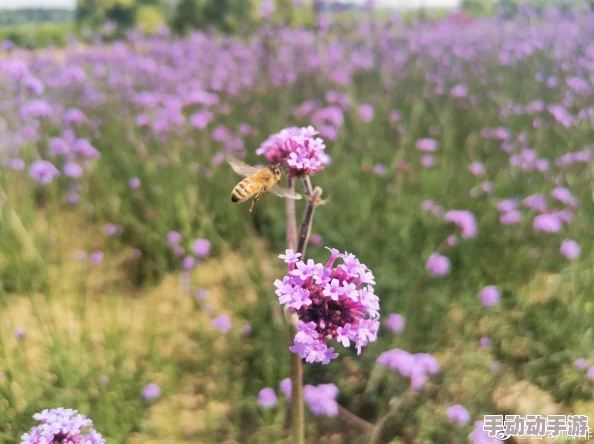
(39, 35)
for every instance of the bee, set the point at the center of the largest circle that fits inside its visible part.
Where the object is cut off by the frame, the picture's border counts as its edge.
(258, 181)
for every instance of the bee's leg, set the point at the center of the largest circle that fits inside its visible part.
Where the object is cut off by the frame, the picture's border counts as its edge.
(255, 200)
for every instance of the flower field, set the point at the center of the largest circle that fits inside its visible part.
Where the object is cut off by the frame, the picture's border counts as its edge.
(446, 273)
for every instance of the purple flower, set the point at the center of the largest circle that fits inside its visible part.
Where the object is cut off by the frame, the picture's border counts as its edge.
(507, 205)
(395, 323)
(565, 196)
(35, 109)
(222, 323)
(134, 183)
(511, 217)
(173, 238)
(428, 145)
(74, 115)
(43, 171)
(201, 119)
(570, 249)
(62, 426)
(188, 263)
(286, 386)
(19, 334)
(459, 91)
(418, 367)
(438, 265)
(331, 302)
(321, 399)
(479, 436)
(485, 342)
(246, 329)
(580, 363)
(267, 398)
(58, 146)
(297, 150)
(477, 169)
(536, 202)
(151, 392)
(549, 223)
(366, 113)
(428, 161)
(72, 169)
(316, 239)
(111, 229)
(96, 257)
(464, 220)
(457, 413)
(591, 373)
(489, 296)
(201, 248)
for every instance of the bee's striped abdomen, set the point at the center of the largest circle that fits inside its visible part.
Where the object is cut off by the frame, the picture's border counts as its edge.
(242, 191)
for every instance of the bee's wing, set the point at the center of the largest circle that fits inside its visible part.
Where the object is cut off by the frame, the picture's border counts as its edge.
(241, 168)
(287, 194)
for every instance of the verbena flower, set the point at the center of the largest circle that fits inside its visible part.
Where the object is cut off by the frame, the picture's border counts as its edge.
(457, 413)
(201, 248)
(332, 302)
(570, 249)
(395, 323)
(489, 296)
(267, 398)
(286, 386)
(580, 363)
(222, 323)
(43, 171)
(479, 436)
(418, 367)
(62, 426)
(151, 392)
(321, 399)
(464, 220)
(438, 265)
(297, 149)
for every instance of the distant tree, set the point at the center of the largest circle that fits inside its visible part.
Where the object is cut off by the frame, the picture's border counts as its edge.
(187, 16)
(483, 8)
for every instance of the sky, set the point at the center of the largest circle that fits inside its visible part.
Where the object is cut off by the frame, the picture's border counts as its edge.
(382, 3)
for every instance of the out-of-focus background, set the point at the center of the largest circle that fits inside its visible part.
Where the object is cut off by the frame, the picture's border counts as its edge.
(133, 290)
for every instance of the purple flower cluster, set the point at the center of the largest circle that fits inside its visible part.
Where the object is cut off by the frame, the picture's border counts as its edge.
(62, 426)
(464, 220)
(321, 399)
(418, 367)
(297, 149)
(332, 302)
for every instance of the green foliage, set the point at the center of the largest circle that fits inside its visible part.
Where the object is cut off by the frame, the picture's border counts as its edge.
(11, 17)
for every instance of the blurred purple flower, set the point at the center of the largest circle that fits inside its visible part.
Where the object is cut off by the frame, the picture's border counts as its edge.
(548, 223)
(570, 249)
(321, 399)
(479, 436)
(464, 220)
(489, 296)
(316, 239)
(366, 113)
(580, 363)
(96, 257)
(286, 386)
(428, 161)
(201, 119)
(485, 342)
(222, 323)
(457, 413)
(477, 169)
(58, 146)
(35, 109)
(418, 367)
(74, 115)
(43, 171)
(511, 217)
(267, 398)
(427, 145)
(173, 238)
(134, 183)
(151, 392)
(19, 334)
(188, 263)
(395, 323)
(72, 169)
(246, 329)
(507, 205)
(536, 202)
(459, 91)
(201, 248)
(438, 265)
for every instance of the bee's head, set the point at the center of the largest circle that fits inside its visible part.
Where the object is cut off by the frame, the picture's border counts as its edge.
(276, 171)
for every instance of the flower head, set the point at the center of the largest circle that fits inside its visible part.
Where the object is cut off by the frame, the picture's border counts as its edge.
(151, 392)
(267, 398)
(222, 323)
(286, 386)
(427, 145)
(438, 265)
(570, 249)
(418, 367)
(43, 171)
(332, 302)
(201, 248)
(321, 399)
(62, 426)
(297, 149)
(465, 220)
(457, 413)
(490, 296)
(395, 323)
